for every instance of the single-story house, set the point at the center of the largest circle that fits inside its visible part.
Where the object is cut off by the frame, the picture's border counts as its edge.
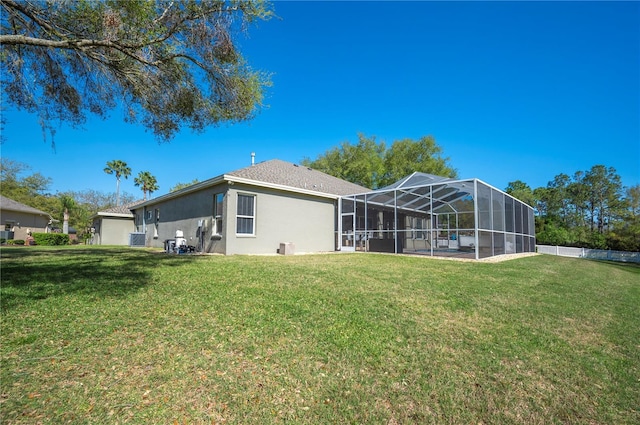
(113, 226)
(18, 220)
(249, 211)
(275, 205)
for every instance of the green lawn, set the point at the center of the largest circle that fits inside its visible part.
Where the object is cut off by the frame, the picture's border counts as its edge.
(131, 336)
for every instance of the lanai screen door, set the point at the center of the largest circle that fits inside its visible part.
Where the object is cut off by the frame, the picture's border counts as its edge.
(347, 229)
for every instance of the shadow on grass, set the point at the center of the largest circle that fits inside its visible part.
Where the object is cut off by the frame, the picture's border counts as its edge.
(35, 274)
(625, 266)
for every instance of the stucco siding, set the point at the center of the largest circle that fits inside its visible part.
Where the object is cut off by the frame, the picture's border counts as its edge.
(183, 213)
(21, 222)
(115, 231)
(306, 221)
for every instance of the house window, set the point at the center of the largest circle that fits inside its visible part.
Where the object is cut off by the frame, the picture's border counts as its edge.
(149, 215)
(245, 216)
(419, 228)
(218, 200)
(157, 214)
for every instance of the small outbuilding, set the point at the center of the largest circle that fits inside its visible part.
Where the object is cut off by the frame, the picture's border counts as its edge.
(113, 226)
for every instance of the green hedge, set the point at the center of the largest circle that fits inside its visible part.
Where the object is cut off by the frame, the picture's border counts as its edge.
(15, 242)
(51, 238)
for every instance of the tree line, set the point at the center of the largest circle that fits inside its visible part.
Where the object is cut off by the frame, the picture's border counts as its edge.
(373, 164)
(590, 209)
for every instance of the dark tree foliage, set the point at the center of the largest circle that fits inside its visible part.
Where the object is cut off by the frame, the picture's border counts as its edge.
(522, 191)
(119, 168)
(179, 186)
(372, 164)
(147, 182)
(17, 183)
(167, 63)
(591, 209)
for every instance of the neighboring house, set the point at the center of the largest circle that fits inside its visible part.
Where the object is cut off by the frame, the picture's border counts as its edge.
(250, 211)
(17, 220)
(113, 226)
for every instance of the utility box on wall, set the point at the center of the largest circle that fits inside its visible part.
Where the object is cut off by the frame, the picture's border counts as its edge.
(286, 248)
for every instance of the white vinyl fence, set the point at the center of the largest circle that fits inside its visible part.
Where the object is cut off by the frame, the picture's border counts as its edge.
(593, 254)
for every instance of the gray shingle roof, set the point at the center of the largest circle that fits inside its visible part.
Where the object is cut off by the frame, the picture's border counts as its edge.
(285, 173)
(11, 205)
(122, 209)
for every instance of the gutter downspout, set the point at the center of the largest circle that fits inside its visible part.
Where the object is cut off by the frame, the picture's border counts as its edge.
(144, 223)
(339, 220)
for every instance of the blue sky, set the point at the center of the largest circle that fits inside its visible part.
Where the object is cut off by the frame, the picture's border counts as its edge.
(510, 91)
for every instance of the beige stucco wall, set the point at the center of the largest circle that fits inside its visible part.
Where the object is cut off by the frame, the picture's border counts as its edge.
(183, 214)
(113, 231)
(27, 222)
(306, 221)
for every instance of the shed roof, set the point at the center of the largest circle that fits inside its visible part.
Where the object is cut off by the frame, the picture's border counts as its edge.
(119, 211)
(11, 205)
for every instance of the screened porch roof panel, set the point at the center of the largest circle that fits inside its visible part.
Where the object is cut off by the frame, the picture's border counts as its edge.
(414, 193)
(416, 179)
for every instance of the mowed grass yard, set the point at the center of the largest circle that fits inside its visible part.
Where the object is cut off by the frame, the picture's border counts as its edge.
(132, 336)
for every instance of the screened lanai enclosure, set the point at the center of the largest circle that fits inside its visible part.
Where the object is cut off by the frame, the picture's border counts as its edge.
(436, 216)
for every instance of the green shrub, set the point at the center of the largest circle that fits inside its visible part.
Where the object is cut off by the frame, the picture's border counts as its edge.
(51, 239)
(3, 241)
(15, 242)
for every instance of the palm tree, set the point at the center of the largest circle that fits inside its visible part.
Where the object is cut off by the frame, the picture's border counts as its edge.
(67, 203)
(119, 168)
(147, 181)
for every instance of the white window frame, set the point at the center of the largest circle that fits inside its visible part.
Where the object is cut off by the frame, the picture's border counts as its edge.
(420, 228)
(252, 217)
(218, 216)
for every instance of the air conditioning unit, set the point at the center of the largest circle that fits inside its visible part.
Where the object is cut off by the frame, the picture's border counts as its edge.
(137, 240)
